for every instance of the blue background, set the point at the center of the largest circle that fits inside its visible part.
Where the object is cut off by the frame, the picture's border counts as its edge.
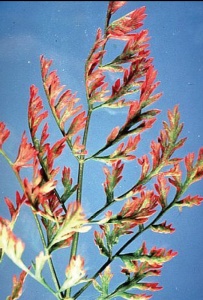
(64, 31)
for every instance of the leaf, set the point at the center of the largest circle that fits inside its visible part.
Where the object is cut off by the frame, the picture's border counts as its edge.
(156, 255)
(148, 87)
(78, 148)
(14, 212)
(163, 189)
(190, 201)
(45, 65)
(105, 278)
(135, 297)
(115, 5)
(53, 88)
(112, 179)
(135, 48)
(12, 246)
(67, 183)
(40, 260)
(162, 228)
(147, 286)
(17, 289)
(4, 134)
(65, 107)
(155, 154)
(122, 152)
(126, 24)
(74, 221)
(177, 180)
(26, 152)
(113, 135)
(194, 170)
(75, 273)
(99, 241)
(138, 210)
(35, 106)
(62, 106)
(77, 124)
(145, 164)
(112, 68)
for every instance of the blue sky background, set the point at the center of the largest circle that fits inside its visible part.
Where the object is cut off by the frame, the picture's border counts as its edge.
(64, 31)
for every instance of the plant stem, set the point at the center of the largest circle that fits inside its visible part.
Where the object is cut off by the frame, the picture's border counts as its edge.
(140, 182)
(50, 262)
(42, 282)
(74, 245)
(82, 158)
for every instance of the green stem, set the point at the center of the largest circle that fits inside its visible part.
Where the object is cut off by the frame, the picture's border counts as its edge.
(100, 211)
(6, 157)
(42, 282)
(82, 159)
(50, 262)
(74, 245)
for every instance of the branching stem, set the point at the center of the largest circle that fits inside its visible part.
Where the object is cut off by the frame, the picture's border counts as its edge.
(136, 235)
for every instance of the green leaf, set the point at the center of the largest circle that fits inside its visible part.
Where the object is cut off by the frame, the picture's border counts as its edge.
(103, 288)
(68, 192)
(67, 183)
(112, 179)
(155, 255)
(98, 238)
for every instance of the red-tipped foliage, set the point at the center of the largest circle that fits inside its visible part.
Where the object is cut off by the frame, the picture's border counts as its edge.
(35, 117)
(26, 152)
(114, 6)
(4, 133)
(127, 82)
(126, 24)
